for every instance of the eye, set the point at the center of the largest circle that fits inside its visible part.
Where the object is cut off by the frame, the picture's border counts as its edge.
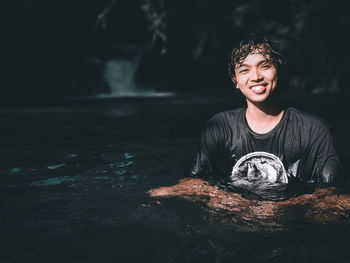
(243, 70)
(266, 66)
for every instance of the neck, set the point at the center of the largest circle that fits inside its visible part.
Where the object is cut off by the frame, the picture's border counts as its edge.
(263, 117)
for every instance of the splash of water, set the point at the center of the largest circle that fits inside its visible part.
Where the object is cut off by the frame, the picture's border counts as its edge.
(322, 206)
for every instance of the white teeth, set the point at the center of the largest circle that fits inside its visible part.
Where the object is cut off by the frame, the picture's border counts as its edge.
(257, 88)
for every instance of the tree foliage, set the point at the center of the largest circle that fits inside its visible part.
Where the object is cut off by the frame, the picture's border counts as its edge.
(192, 38)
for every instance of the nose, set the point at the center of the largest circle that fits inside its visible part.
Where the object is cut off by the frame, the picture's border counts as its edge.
(255, 75)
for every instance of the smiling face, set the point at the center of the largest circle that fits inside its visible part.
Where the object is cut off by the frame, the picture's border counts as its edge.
(256, 77)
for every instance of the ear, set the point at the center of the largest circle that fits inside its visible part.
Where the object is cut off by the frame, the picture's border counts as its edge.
(233, 78)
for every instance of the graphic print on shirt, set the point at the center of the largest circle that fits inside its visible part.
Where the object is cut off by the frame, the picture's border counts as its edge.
(260, 166)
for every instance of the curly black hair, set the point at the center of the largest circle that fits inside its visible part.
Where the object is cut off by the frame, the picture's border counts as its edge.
(252, 43)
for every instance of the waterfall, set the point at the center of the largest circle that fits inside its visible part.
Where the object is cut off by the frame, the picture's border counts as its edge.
(119, 75)
(112, 74)
(119, 68)
(120, 65)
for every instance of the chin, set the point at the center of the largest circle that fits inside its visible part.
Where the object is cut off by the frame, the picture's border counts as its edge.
(258, 100)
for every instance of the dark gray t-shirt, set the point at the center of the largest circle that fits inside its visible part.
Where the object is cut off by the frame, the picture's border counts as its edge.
(298, 149)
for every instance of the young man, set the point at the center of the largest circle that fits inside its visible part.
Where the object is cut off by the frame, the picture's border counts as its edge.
(264, 142)
(263, 147)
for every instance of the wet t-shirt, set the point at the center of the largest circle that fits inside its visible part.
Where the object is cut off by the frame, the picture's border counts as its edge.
(298, 149)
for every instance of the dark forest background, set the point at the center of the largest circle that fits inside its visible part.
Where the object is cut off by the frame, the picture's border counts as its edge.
(51, 50)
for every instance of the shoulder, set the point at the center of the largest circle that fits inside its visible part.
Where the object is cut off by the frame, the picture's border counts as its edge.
(223, 125)
(230, 116)
(306, 120)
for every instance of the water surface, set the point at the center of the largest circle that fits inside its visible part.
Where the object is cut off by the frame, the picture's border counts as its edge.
(75, 177)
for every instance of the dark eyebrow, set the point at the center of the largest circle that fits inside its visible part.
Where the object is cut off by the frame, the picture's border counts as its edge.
(267, 61)
(242, 65)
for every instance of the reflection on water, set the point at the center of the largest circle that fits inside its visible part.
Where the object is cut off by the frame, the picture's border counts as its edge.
(74, 183)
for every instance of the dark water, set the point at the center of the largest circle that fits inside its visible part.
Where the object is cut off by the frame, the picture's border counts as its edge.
(74, 179)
